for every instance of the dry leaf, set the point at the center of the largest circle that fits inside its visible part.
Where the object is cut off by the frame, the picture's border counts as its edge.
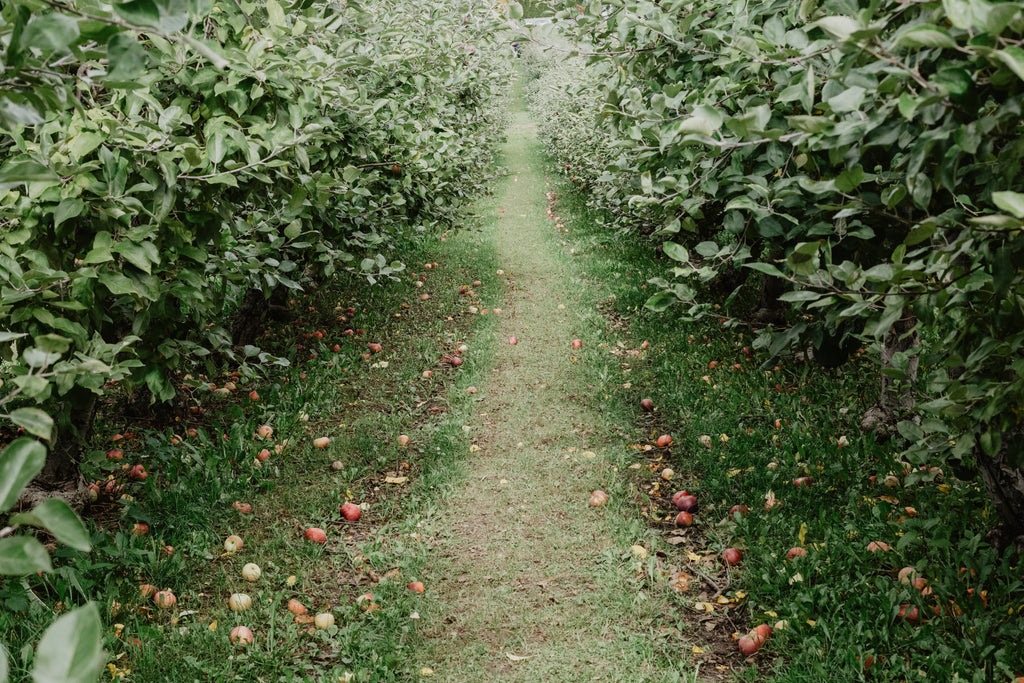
(473, 448)
(698, 650)
(703, 607)
(517, 658)
(890, 499)
(396, 480)
(680, 582)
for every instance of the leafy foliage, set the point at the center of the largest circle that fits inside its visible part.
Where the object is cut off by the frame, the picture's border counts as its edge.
(162, 158)
(865, 157)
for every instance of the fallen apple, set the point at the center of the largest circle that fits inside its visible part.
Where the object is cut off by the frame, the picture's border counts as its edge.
(321, 442)
(239, 602)
(240, 635)
(732, 556)
(164, 599)
(667, 474)
(513, 341)
(664, 441)
(685, 501)
(147, 589)
(351, 512)
(598, 498)
(265, 432)
(323, 620)
(427, 374)
(316, 535)
(907, 575)
(577, 343)
(737, 511)
(647, 404)
(232, 543)
(244, 508)
(375, 348)
(138, 473)
(254, 395)
(338, 465)
(684, 519)
(909, 613)
(795, 552)
(878, 547)
(296, 607)
(403, 440)
(140, 529)
(263, 455)
(115, 454)
(417, 586)
(803, 481)
(251, 572)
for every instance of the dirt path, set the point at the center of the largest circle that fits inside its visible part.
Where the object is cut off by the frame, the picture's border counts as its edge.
(528, 581)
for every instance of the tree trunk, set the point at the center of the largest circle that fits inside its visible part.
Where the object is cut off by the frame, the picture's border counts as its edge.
(252, 314)
(1005, 485)
(898, 396)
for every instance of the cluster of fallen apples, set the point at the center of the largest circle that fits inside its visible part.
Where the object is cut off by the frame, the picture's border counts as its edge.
(686, 503)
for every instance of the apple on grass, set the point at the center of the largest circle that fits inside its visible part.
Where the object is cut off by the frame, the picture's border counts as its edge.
(316, 535)
(598, 498)
(233, 543)
(240, 635)
(239, 602)
(732, 556)
(351, 512)
(164, 599)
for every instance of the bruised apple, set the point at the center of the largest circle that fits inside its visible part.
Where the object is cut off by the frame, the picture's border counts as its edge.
(351, 512)
(598, 498)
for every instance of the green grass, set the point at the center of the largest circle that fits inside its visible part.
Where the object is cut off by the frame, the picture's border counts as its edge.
(362, 405)
(840, 601)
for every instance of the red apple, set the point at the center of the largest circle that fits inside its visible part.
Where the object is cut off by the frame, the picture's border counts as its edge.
(803, 481)
(265, 431)
(403, 440)
(140, 529)
(685, 501)
(647, 404)
(296, 607)
(737, 511)
(795, 552)
(316, 535)
(417, 586)
(164, 599)
(244, 508)
(664, 441)
(684, 519)
(351, 512)
(732, 556)
(375, 348)
(598, 498)
(909, 613)
(513, 341)
(321, 442)
(577, 343)
(240, 635)
(138, 473)
(254, 395)
(115, 454)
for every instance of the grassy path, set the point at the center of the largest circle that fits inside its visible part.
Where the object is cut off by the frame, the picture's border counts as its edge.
(526, 577)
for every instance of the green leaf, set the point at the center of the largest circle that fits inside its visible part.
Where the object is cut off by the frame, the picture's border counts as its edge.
(1010, 202)
(803, 259)
(83, 143)
(850, 179)
(57, 517)
(54, 32)
(24, 172)
(71, 649)
(967, 14)
(20, 462)
(66, 210)
(839, 27)
(34, 421)
(126, 58)
(1012, 57)
(275, 15)
(800, 295)
(910, 431)
(208, 50)
(926, 35)
(848, 100)
(139, 12)
(660, 302)
(766, 268)
(676, 252)
(20, 555)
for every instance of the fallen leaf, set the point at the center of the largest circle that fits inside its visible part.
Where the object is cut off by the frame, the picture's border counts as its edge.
(890, 499)
(473, 448)
(517, 658)
(703, 607)
(396, 480)
(796, 578)
(680, 582)
(698, 650)
(213, 625)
